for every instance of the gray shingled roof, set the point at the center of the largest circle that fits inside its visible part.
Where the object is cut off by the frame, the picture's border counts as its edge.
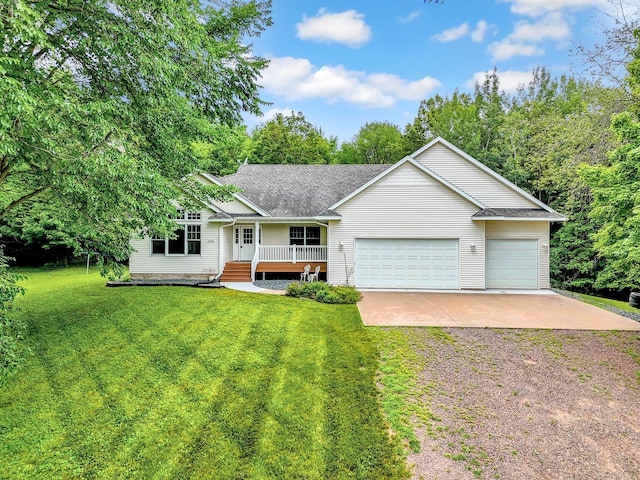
(517, 213)
(300, 190)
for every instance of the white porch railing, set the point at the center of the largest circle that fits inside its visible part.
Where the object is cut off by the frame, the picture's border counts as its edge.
(293, 253)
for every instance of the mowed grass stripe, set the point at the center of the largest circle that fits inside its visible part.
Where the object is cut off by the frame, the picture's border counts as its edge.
(236, 415)
(189, 383)
(293, 434)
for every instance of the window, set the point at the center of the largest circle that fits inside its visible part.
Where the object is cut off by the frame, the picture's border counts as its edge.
(296, 235)
(247, 236)
(157, 245)
(176, 245)
(182, 214)
(193, 239)
(188, 240)
(313, 236)
(304, 235)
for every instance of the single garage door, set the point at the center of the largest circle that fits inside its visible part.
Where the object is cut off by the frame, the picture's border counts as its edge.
(512, 264)
(407, 263)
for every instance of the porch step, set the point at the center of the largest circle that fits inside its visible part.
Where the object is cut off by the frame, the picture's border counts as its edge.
(236, 272)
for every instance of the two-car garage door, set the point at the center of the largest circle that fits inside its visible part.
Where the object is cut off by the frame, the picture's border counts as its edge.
(407, 263)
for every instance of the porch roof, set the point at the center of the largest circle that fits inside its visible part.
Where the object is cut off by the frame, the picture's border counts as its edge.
(294, 191)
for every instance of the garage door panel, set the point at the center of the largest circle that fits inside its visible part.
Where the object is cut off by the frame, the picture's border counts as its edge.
(512, 264)
(407, 263)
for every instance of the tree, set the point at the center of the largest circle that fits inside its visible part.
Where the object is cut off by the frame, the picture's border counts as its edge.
(376, 142)
(102, 104)
(290, 139)
(104, 100)
(616, 195)
(607, 60)
(453, 118)
(491, 107)
(222, 155)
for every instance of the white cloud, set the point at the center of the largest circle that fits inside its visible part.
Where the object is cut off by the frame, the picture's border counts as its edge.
(536, 8)
(348, 28)
(297, 79)
(271, 114)
(552, 26)
(452, 34)
(456, 33)
(509, 80)
(411, 17)
(505, 49)
(522, 41)
(478, 34)
(401, 88)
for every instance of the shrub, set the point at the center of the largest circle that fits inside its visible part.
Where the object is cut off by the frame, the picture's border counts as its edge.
(323, 292)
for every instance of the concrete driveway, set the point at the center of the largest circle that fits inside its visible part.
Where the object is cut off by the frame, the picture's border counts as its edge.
(495, 310)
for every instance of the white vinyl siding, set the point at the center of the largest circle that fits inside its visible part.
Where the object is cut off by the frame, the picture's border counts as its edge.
(407, 203)
(512, 264)
(407, 263)
(278, 234)
(275, 234)
(514, 230)
(234, 207)
(142, 261)
(471, 179)
(228, 234)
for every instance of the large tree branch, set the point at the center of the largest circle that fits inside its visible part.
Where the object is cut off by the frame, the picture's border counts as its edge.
(20, 200)
(5, 168)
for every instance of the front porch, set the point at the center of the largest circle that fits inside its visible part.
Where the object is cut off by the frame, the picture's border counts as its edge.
(275, 248)
(286, 259)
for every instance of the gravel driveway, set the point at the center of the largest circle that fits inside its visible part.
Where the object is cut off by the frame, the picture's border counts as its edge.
(526, 404)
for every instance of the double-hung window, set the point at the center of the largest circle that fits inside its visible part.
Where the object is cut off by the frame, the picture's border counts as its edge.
(193, 239)
(304, 235)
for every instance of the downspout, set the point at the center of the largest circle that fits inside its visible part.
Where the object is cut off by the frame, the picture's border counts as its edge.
(220, 248)
(326, 226)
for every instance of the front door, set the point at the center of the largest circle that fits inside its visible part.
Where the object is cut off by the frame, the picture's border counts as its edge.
(244, 244)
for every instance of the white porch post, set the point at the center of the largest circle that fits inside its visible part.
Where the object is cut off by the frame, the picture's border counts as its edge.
(256, 252)
(220, 248)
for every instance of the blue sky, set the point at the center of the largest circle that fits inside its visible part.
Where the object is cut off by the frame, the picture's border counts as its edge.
(346, 63)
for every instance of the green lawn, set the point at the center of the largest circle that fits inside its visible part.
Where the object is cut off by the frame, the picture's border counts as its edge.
(173, 382)
(603, 302)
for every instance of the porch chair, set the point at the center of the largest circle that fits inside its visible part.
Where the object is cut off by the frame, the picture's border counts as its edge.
(314, 276)
(304, 276)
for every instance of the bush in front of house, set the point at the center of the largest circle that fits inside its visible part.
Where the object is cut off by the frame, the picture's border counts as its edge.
(323, 292)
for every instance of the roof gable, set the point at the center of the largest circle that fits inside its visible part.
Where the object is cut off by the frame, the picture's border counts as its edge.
(237, 196)
(489, 187)
(420, 167)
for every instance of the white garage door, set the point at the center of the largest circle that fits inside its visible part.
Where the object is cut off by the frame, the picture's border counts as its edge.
(407, 263)
(512, 264)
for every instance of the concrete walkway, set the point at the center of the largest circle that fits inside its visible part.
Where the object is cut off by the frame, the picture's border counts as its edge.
(546, 310)
(249, 287)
